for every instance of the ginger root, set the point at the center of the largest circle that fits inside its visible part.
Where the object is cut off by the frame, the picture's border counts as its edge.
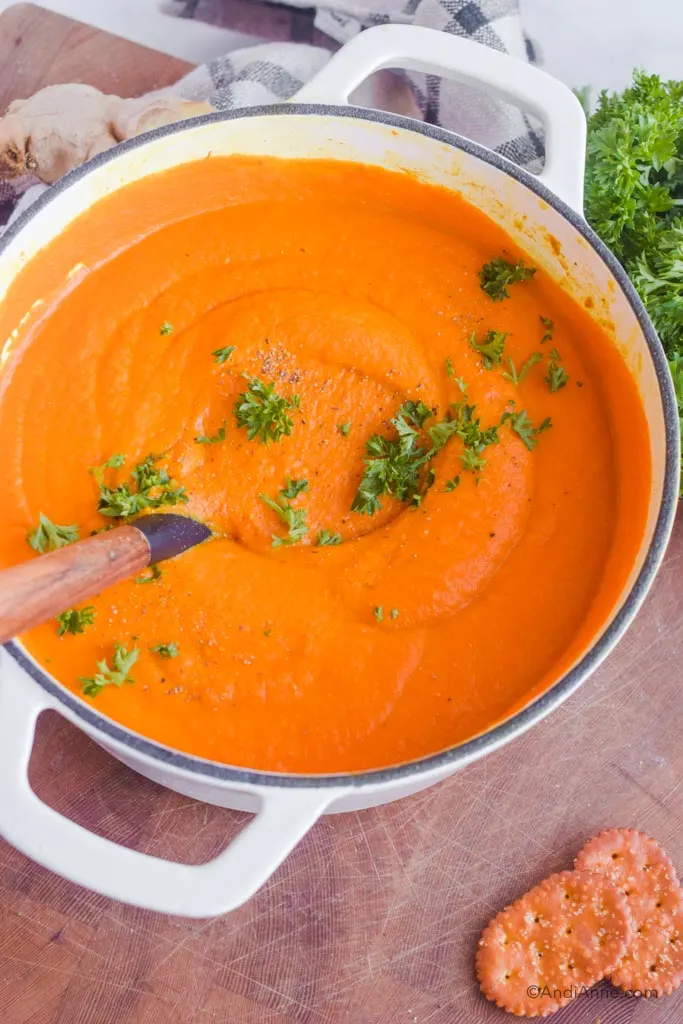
(62, 126)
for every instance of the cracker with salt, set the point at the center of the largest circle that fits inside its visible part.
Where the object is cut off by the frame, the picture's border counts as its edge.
(566, 933)
(639, 867)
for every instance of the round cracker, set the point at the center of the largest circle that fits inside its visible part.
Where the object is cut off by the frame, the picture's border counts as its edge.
(635, 863)
(653, 963)
(568, 932)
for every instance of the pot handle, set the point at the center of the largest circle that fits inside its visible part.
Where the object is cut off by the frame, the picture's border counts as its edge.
(61, 845)
(439, 53)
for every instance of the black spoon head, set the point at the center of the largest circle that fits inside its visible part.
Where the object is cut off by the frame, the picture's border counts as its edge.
(169, 534)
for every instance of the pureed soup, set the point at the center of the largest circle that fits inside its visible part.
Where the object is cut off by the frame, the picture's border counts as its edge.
(426, 469)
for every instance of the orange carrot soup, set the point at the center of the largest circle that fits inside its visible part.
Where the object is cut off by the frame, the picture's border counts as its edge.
(426, 469)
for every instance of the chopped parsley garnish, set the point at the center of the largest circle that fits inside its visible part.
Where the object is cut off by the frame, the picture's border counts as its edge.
(49, 536)
(75, 620)
(378, 612)
(293, 518)
(517, 376)
(166, 329)
(549, 326)
(522, 426)
(117, 675)
(494, 277)
(221, 355)
(557, 376)
(450, 369)
(394, 613)
(263, 413)
(213, 438)
(394, 467)
(165, 650)
(491, 348)
(472, 461)
(293, 488)
(327, 539)
(149, 487)
(344, 428)
(155, 573)
(461, 384)
(451, 485)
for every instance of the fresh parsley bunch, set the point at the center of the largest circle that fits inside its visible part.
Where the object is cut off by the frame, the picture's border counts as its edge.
(634, 198)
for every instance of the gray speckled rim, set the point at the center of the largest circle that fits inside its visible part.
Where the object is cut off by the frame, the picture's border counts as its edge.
(541, 706)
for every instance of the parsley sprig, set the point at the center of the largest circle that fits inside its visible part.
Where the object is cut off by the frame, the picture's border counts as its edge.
(634, 195)
(293, 518)
(498, 274)
(117, 675)
(397, 467)
(75, 620)
(263, 413)
(150, 486)
(221, 355)
(491, 348)
(548, 328)
(524, 428)
(293, 488)
(49, 536)
(327, 539)
(166, 650)
(213, 438)
(557, 376)
(517, 376)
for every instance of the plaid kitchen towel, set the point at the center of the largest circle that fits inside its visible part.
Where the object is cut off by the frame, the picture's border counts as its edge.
(274, 72)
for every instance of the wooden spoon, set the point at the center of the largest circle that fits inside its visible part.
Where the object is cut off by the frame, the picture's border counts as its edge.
(44, 587)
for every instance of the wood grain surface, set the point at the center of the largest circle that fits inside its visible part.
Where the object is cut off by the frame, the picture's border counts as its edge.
(375, 917)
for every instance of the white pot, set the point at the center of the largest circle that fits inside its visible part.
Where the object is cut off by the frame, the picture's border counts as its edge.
(529, 210)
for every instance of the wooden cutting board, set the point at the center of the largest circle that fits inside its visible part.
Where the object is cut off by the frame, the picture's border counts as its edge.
(375, 917)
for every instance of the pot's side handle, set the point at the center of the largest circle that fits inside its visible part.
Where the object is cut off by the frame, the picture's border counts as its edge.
(57, 843)
(507, 78)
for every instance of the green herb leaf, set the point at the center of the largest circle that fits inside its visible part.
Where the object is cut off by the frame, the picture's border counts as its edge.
(471, 461)
(494, 277)
(293, 518)
(491, 348)
(166, 328)
(49, 536)
(634, 195)
(344, 428)
(75, 620)
(149, 487)
(557, 376)
(263, 413)
(117, 675)
(524, 428)
(549, 326)
(452, 485)
(461, 384)
(213, 438)
(450, 369)
(518, 376)
(394, 467)
(155, 573)
(394, 613)
(327, 539)
(165, 650)
(221, 355)
(378, 612)
(293, 488)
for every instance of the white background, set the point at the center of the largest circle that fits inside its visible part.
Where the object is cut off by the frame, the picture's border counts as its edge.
(583, 42)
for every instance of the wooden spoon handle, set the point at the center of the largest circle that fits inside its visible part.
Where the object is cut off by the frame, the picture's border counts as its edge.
(43, 587)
